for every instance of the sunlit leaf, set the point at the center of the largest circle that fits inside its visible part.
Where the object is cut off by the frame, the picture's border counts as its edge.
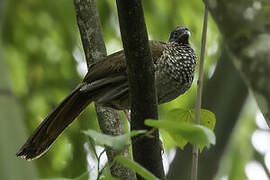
(185, 132)
(116, 142)
(108, 178)
(207, 119)
(135, 167)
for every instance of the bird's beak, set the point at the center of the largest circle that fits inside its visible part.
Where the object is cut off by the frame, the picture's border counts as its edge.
(187, 33)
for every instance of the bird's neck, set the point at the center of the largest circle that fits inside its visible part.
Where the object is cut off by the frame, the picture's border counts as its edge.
(174, 43)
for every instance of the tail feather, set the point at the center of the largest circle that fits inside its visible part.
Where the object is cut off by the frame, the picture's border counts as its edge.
(104, 89)
(54, 124)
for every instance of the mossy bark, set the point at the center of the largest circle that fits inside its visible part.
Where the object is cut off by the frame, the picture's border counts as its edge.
(245, 27)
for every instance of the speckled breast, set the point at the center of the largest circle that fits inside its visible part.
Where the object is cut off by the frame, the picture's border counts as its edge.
(174, 72)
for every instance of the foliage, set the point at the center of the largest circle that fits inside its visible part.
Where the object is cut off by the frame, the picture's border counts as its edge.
(115, 142)
(136, 167)
(182, 133)
(207, 119)
(45, 62)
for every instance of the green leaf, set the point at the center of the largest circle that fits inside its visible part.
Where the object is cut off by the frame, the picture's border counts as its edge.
(207, 119)
(185, 132)
(84, 176)
(55, 179)
(106, 174)
(135, 167)
(108, 178)
(115, 142)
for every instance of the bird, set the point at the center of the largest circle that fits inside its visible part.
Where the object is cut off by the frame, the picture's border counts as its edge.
(106, 83)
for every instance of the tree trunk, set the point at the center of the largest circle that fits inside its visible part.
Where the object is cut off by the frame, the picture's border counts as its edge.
(94, 47)
(146, 151)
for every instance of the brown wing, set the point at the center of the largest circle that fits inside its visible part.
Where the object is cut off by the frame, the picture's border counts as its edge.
(157, 48)
(116, 63)
(109, 66)
(108, 78)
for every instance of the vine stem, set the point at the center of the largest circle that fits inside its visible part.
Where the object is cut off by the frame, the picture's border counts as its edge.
(195, 151)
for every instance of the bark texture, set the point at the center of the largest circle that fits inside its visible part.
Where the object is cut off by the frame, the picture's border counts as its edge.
(245, 27)
(94, 47)
(146, 151)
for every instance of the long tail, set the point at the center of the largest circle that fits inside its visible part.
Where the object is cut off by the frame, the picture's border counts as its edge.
(54, 124)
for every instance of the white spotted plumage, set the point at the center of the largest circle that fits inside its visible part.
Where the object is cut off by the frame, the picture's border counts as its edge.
(174, 71)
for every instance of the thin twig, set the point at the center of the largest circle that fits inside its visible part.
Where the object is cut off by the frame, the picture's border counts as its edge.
(102, 169)
(93, 146)
(98, 168)
(195, 152)
(98, 157)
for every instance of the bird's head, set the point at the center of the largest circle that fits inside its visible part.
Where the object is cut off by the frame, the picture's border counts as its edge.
(180, 35)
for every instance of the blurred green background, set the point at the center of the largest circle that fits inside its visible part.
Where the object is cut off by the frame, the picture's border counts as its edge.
(42, 60)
